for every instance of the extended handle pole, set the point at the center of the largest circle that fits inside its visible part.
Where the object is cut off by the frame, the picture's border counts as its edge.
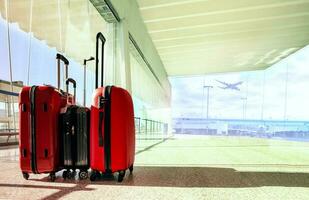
(102, 38)
(59, 58)
(85, 66)
(84, 98)
(67, 82)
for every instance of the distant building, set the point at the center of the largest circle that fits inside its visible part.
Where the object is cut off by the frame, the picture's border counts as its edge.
(237, 127)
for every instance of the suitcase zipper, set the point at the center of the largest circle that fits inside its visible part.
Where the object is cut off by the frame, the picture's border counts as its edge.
(33, 129)
(107, 130)
(102, 102)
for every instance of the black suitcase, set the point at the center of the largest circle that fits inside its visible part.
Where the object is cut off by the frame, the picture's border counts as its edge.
(74, 131)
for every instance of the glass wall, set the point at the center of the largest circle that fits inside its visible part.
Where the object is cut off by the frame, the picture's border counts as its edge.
(31, 34)
(271, 102)
(151, 105)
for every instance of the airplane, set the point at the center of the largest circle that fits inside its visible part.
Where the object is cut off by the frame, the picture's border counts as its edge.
(232, 86)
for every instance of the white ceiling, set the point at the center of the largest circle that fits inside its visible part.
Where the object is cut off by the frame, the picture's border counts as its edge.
(210, 36)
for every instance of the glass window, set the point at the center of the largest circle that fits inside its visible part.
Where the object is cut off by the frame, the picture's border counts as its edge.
(43, 68)
(19, 42)
(19, 27)
(298, 83)
(149, 97)
(4, 56)
(270, 103)
(253, 101)
(274, 93)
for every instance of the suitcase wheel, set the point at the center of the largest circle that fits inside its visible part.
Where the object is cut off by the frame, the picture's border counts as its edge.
(65, 174)
(68, 174)
(94, 175)
(52, 176)
(83, 175)
(72, 174)
(131, 169)
(121, 175)
(26, 175)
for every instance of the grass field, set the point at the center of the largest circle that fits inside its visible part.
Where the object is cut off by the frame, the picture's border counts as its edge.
(244, 153)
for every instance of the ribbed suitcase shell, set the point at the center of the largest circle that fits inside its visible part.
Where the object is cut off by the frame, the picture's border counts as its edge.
(48, 103)
(122, 131)
(75, 124)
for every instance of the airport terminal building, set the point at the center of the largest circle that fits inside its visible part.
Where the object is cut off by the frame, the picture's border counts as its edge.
(218, 88)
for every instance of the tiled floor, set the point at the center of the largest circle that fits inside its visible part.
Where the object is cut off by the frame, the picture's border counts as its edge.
(185, 167)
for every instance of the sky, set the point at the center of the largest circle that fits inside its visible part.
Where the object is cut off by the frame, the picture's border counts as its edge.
(281, 92)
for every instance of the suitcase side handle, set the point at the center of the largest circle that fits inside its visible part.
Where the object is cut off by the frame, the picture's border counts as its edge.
(67, 82)
(99, 37)
(102, 103)
(60, 57)
(101, 117)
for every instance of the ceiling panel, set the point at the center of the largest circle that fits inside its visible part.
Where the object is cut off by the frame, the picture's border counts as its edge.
(208, 36)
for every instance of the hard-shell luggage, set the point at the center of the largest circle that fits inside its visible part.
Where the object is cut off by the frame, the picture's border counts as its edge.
(74, 128)
(39, 108)
(112, 130)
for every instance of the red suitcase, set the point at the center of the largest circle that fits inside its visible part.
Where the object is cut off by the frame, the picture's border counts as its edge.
(112, 130)
(39, 108)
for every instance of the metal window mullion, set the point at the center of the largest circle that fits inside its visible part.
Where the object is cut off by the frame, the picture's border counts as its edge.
(10, 59)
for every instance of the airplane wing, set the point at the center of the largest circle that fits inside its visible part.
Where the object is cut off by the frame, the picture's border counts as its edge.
(236, 88)
(223, 87)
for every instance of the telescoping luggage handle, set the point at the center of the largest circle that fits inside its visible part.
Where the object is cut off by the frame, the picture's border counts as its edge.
(85, 64)
(59, 58)
(67, 82)
(98, 38)
(101, 99)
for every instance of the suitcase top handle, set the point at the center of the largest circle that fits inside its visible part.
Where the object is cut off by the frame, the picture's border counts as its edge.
(62, 58)
(67, 82)
(59, 58)
(89, 59)
(103, 40)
